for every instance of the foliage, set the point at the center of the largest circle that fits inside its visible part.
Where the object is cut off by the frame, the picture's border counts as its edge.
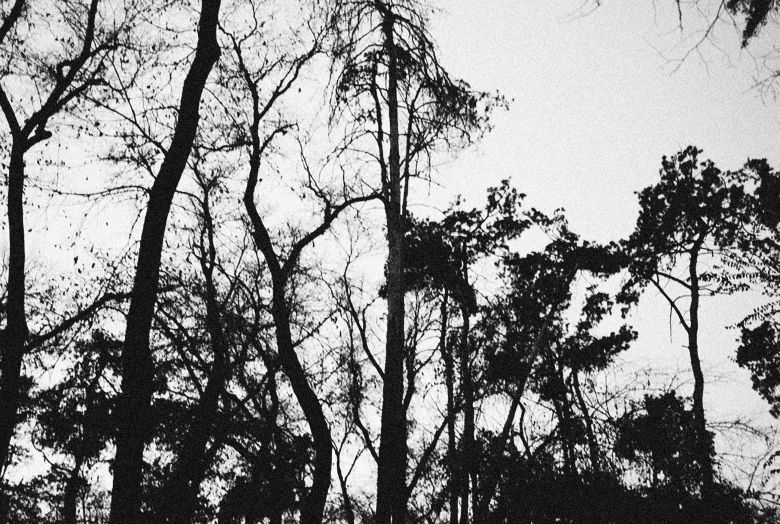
(759, 352)
(694, 206)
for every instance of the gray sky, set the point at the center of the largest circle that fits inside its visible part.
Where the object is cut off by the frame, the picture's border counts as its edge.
(597, 103)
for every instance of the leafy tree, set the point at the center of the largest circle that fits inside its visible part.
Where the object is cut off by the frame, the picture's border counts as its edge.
(663, 435)
(439, 255)
(759, 352)
(526, 347)
(756, 13)
(694, 211)
(660, 434)
(73, 420)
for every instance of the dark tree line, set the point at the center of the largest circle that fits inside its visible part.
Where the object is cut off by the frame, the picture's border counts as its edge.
(286, 340)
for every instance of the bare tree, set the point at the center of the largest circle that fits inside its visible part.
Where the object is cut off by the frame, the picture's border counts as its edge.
(407, 105)
(137, 363)
(61, 74)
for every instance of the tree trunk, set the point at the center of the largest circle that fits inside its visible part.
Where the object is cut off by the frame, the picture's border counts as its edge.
(469, 469)
(192, 463)
(391, 474)
(492, 478)
(593, 447)
(15, 333)
(349, 511)
(137, 363)
(563, 410)
(23, 137)
(313, 505)
(71, 493)
(702, 437)
(449, 381)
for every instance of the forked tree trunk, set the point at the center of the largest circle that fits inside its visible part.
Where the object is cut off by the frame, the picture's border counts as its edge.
(137, 363)
(25, 135)
(12, 338)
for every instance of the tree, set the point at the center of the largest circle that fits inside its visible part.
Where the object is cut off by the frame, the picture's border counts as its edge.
(526, 348)
(439, 256)
(282, 265)
(407, 105)
(659, 432)
(695, 211)
(61, 74)
(75, 420)
(137, 364)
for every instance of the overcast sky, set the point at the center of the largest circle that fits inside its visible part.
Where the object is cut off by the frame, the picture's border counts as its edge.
(597, 103)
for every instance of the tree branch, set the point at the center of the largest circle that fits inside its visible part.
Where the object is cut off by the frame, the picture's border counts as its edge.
(672, 305)
(84, 314)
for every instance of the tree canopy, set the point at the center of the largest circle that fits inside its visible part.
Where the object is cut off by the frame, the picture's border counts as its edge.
(285, 325)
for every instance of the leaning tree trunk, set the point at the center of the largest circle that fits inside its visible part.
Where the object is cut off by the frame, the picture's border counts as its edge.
(313, 503)
(137, 363)
(593, 448)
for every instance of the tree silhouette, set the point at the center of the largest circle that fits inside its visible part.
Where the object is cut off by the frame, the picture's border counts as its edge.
(695, 211)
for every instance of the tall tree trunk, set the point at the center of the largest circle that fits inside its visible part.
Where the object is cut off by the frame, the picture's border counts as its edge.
(466, 384)
(15, 333)
(137, 362)
(449, 381)
(277, 509)
(702, 437)
(391, 474)
(24, 136)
